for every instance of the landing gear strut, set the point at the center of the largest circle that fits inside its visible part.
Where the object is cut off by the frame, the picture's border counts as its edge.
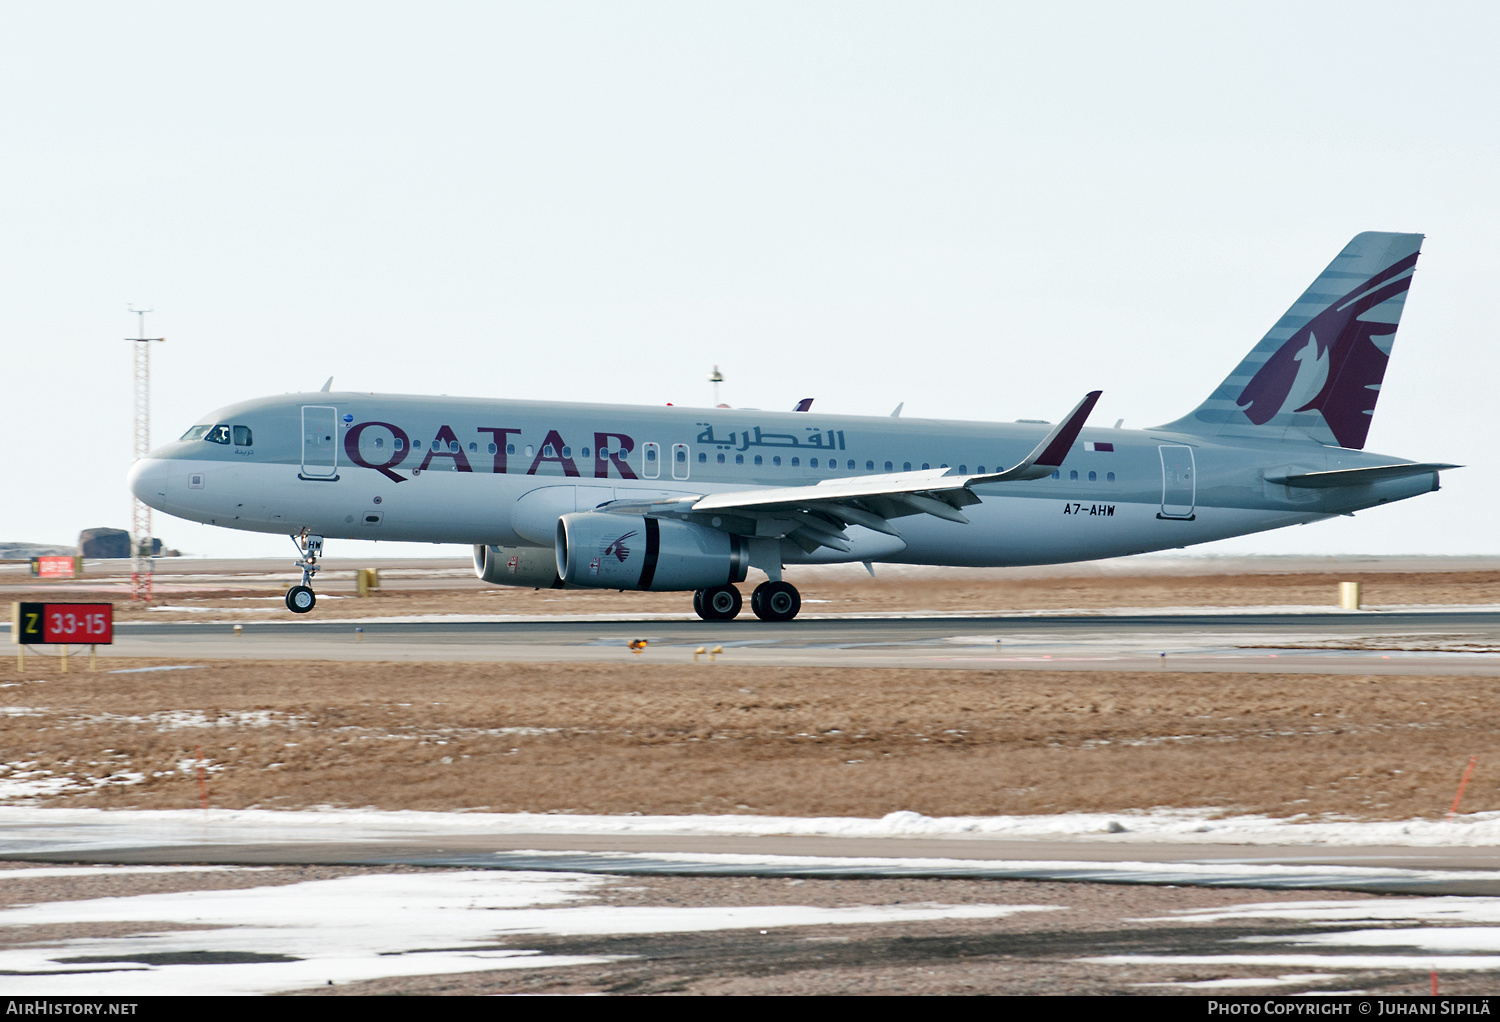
(300, 599)
(718, 603)
(775, 601)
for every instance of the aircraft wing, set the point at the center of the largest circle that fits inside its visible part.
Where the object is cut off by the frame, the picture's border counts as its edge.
(814, 516)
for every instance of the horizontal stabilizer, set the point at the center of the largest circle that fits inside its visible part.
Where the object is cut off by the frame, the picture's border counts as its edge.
(1359, 476)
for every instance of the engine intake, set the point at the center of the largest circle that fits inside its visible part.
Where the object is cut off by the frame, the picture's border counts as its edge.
(534, 567)
(605, 551)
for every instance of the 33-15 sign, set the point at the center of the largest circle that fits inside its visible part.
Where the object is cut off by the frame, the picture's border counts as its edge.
(36, 624)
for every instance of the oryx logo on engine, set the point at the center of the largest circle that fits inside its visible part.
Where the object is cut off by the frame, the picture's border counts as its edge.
(618, 548)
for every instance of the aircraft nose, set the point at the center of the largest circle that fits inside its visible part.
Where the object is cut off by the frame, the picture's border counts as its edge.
(148, 481)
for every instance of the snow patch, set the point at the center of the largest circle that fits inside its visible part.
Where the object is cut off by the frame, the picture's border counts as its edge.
(371, 926)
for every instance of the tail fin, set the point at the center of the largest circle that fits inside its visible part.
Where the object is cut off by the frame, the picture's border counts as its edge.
(1316, 374)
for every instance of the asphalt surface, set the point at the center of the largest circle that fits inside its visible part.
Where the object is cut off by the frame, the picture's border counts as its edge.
(1455, 642)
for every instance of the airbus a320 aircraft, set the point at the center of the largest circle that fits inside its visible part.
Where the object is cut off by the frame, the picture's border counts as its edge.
(596, 496)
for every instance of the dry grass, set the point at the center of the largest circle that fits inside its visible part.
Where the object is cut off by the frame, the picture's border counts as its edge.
(650, 739)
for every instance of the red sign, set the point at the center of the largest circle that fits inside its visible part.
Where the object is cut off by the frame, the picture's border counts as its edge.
(84, 623)
(54, 567)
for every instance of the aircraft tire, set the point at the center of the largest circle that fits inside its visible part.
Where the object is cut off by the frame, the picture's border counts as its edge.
(718, 603)
(300, 599)
(775, 601)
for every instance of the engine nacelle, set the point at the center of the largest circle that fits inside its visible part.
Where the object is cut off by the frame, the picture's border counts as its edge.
(605, 551)
(534, 567)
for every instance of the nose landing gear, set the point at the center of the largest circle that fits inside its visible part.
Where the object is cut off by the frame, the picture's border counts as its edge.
(300, 599)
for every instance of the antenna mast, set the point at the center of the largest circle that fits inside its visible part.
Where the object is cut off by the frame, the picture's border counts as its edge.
(142, 566)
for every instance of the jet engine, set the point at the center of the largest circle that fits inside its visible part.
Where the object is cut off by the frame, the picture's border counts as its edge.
(605, 551)
(532, 566)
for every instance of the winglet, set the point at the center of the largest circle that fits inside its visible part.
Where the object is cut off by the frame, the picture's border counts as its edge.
(1049, 454)
(804, 405)
(326, 386)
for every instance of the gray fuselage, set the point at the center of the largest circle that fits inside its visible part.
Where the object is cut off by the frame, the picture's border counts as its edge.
(479, 471)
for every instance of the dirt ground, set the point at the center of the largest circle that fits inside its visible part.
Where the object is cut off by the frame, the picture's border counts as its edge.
(643, 738)
(958, 591)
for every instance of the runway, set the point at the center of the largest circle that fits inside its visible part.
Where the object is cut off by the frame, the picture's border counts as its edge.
(1428, 641)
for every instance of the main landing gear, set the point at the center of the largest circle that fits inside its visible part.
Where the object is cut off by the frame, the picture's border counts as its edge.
(301, 599)
(771, 601)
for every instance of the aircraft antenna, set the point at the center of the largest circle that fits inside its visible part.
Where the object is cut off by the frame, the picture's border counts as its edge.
(716, 378)
(142, 565)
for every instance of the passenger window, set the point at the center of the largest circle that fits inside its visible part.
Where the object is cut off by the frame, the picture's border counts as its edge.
(702, 458)
(964, 469)
(1093, 477)
(218, 435)
(196, 433)
(906, 466)
(567, 452)
(851, 465)
(379, 442)
(719, 458)
(1057, 474)
(797, 462)
(925, 466)
(242, 437)
(869, 466)
(530, 450)
(583, 452)
(1073, 474)
(473, 447)
(510, 448)
(650, 453)
(416, 445)
(1110, 477)
(812, 462)
(889, 467)
(494, 449)
(776, 460)
(547, 452)
(739, 459)
(399, 444)
(453, 446)
(980, 470)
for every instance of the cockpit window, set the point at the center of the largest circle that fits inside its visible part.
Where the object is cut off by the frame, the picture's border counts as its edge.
(196, 433)
(218, 434)
(242, 437)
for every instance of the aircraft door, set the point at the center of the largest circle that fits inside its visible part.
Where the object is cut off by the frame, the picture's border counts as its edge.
(320, 449)
(681, 463)
(1178, 485)
(650, 461)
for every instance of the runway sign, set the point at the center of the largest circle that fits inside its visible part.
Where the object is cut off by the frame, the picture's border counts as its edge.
(39, 624)
(57, 567)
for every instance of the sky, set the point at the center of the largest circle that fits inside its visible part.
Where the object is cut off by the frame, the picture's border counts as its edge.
(982, 210)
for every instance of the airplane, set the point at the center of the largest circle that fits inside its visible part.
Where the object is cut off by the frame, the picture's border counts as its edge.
(607, 496)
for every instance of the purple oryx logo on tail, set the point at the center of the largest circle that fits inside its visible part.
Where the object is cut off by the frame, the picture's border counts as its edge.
(618, 547)
(1331, 364)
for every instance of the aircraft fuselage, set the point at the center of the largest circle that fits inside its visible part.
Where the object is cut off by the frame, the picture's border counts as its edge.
(479, 471)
